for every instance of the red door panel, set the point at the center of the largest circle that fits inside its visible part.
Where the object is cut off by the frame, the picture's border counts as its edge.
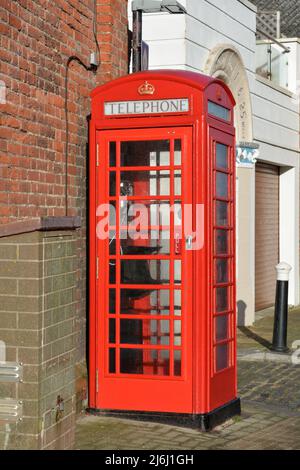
(144, 287)
(223, 298)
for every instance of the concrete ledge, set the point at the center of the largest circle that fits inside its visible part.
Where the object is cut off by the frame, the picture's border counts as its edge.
(40, 224)
(259, 356)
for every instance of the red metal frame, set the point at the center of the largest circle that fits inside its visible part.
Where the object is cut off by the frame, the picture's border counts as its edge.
(201, 388)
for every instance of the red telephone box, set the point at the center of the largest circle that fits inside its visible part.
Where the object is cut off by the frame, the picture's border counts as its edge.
(162, 249)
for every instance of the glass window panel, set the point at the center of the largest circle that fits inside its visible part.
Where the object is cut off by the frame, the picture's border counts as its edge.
(222, 351)
(131, 361)
(177, 152)
(148, 213)
(177, 362)
(177, 333)
(112, 213)
(218, 111)
(112, 361)
(145, 183)
(112, 154)
(145, 153)
(177, 182)
(221, 327)
(145, 302)
(221, 299)
(222, 213)
(112, 301)
(222, 154)
(150, 242)
(147, 362)
(177, 303)
(112, 271)
(147, 332)
(112, 330)
(222, 245)
(112, 183)
(222, 184)
(222, 271)
(177, 272)
(145, 271)
(112, 242)
(177, 214)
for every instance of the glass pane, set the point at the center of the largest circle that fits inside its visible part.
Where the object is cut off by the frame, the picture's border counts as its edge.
(221, 299)
(177, 333)
(112, 154)
(222, 213)
(221, 327)
(219, 111)
(146, 213)
(147, 332)
(147, 362)
(177, 152)
(145, 302)
(147, 242)
(112, 330)
(221, 271)
(177, 303)
(145, 271)
(145, 183)
(177, 214)
(112, 301)
(112, 213)
(222, 185)
(222, 356)
(112, 361)
(177, 272)
(177, 182)
(221, 242)
(112, 183)
(221, 156)
(112, 242)
(112, 271)
(177, 363)
(145, 153)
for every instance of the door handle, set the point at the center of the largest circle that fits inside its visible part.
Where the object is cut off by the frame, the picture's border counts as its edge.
(189, 243)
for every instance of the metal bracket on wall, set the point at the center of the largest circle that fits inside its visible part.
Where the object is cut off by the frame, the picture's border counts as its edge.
(11, 410)
(11, 372)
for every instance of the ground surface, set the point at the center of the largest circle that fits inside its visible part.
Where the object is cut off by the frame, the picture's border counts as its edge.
(269, 387)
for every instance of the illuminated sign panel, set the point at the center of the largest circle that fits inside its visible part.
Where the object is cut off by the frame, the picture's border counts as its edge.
(120, 108)
(219, 111)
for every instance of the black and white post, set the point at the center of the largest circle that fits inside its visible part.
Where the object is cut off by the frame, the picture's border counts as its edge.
(279, 343)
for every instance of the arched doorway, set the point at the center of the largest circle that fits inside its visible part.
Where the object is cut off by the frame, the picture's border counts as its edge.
(225, 62)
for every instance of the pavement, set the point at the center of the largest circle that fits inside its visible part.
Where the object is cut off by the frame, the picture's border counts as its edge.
(269, 388)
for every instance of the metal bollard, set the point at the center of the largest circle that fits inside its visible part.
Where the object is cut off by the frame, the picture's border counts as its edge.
(279, 343)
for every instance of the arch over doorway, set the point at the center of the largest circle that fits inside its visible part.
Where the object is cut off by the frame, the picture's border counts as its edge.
(225, 62)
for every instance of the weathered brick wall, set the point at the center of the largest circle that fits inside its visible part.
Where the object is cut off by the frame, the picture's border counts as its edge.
(37, 326)
(36, 39)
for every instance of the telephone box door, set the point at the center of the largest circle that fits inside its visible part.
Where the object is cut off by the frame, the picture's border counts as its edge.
(144, 270)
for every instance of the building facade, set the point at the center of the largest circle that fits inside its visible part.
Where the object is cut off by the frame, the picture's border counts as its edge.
(45, 85)
(219, 38)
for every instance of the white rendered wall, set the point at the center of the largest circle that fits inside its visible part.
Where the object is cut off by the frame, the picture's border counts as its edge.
(185, 41)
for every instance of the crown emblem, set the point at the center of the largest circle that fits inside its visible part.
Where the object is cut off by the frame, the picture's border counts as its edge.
(146, 89)
(219, 94)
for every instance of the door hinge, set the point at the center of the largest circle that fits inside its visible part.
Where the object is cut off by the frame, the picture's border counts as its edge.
(97, 380)
(97, 155)
(97, 268)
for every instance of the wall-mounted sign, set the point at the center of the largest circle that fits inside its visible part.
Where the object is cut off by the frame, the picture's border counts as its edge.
(120, 108)
(247, 154)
